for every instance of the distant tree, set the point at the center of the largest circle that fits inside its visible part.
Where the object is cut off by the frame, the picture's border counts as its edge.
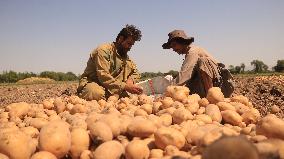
(49, 74)
(231, 68)
(243, 67)
(9, 77)
(237, 69)
(70, 76)
(280, 66)
(173, 73)
(259, 66)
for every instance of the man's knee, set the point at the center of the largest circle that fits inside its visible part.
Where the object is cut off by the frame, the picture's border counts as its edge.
(92, 91)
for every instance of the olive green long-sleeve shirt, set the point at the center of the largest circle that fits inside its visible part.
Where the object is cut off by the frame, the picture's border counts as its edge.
(108, 69)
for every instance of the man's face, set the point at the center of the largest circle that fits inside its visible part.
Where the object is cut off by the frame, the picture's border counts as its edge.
(125, 45)
(177, 47)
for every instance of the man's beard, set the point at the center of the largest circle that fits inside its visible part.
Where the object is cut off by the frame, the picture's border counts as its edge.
(122, 51)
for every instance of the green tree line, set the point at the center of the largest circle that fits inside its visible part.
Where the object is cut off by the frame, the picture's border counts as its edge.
(258, 67)
(12, 76)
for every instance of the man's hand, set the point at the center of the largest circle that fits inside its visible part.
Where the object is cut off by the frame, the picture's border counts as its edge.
(132, 88)
(129, 81)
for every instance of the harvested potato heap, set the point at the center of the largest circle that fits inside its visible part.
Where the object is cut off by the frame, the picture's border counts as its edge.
(137, 127)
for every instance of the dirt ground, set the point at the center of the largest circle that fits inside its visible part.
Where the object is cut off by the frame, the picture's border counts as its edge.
(262, 91)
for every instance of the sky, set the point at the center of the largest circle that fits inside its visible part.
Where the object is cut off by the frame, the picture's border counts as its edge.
(59, 35)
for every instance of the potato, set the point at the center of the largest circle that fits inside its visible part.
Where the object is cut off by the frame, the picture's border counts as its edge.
(59, 105)
(213, 111)
(178, 93)
(258, 138)
(18, 109)
(156, 120)
(196, 134)
(240, 99)
(137, 149)
(86, 154)
(210, 137)
(271, 126)
(225, 106)
(109, 150)
(2, 156)
(100, 132)
(165, 136)
(35, 122)
(144, 99)
(147, 107)
(47, 104)
(156, 107)
(150, 142)
(169, 110)
(231, 117)
(177, 105)
(181, 114)
(4, 117)
(113, 98)
(79, 123)
(156, 153)
(80, 141)
(140, 112)
(166, 102)
(203, 102)
(43, 155)
(231, 147)
(193, 98)
(30, 131)
(215, 95)
(205, 118)
(93, 117)
(192, 107)
(277, 143)
(166, 119)
(267, 150)
(200, 111)
(113, 122)
(246, 130)
(275, 109)
(76, 100)
(140, 127)
(251, 116)
(123, 140)
(55, 137)
(240, 108)
(16, 144)
(125, 120)
(78, 108)
(171, 150)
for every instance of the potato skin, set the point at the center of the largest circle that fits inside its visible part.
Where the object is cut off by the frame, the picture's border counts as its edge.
(16, 144)
(103, 151)
(80, 141)
(168, 136)
(137, 149)
(55, 137)
(43, 155)
(271, 126)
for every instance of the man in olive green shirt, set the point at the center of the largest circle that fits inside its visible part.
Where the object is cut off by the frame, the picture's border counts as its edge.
(109, 70)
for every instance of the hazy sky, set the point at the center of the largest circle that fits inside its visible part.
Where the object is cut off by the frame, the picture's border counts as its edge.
(58, 35)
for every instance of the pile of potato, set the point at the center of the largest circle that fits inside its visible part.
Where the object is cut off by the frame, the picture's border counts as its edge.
(138, 127)
(275, 79)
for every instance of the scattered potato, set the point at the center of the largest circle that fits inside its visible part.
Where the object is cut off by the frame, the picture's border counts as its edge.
(137, 149)
(271, 126)
(55, 137)
(168, 136)
(215, 95)
(110, 149)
